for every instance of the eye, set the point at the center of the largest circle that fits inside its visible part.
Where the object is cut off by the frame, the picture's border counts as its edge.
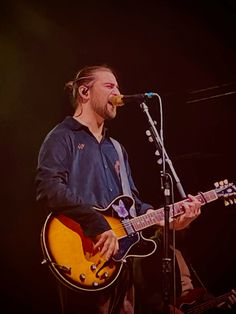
(110, 85)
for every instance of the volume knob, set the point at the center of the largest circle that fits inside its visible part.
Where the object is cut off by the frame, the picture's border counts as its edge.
(82, 277)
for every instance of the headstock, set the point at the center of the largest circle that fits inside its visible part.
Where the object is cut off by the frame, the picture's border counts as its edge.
(227, 191)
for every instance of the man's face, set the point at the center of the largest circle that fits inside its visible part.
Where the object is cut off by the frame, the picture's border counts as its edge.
(104, 87)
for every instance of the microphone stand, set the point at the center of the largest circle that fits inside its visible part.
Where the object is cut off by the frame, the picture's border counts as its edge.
(166, 181)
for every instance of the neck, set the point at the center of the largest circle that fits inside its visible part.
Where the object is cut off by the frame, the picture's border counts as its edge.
(94, 122)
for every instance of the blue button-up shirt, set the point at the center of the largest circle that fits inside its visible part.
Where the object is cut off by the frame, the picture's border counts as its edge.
(75, 170)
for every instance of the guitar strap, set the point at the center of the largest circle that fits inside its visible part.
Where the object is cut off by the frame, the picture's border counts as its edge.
(123, 174)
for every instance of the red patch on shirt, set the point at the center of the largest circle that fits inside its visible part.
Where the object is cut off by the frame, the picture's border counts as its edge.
(117, 167)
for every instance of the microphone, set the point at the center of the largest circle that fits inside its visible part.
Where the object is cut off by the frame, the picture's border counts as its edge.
(120, 100)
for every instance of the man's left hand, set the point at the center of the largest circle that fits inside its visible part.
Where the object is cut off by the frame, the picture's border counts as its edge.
(192, 209)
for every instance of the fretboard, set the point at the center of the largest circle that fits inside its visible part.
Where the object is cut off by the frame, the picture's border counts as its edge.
(176, 209)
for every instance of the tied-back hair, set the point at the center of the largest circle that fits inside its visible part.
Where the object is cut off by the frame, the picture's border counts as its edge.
(86, 77)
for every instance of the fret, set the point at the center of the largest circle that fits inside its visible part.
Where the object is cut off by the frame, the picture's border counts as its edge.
(210, 196)
(176, 209)
(146, 220)
(201, 198)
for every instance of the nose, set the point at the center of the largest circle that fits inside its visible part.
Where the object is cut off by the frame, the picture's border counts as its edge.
(115, 91)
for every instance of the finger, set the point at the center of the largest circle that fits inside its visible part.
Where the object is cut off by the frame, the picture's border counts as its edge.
(191, 197)
(100, 242)
(194, 200)
(232, 299)
(192, 209)
(105, 247)
(187, 209)
(109, 249)
(117, 247)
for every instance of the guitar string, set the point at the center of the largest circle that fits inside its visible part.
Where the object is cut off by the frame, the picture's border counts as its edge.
(143, 219)
(140, 220)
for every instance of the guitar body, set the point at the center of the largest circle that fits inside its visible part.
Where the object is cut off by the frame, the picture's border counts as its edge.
(71, 255)
(72, 259)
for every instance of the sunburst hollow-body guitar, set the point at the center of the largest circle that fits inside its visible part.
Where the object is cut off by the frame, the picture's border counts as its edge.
(71, 255)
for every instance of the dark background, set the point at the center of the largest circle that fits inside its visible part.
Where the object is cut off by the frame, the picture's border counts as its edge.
(183, 50)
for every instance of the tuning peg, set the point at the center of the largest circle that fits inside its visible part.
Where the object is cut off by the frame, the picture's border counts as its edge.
(226, 182)
(159, 161)
(231, 201)
(148, 133)
(221, 183)
(226, 203)
(216, 184)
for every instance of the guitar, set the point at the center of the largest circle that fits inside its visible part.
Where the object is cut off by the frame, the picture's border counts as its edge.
(70, 254)
(192, 302)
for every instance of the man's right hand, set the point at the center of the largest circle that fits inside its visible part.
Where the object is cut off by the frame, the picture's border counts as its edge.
(107, 244)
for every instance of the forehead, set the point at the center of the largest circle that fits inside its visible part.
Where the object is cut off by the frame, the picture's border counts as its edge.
(105, 77)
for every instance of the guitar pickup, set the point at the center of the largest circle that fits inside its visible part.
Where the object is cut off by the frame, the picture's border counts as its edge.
(128, 226)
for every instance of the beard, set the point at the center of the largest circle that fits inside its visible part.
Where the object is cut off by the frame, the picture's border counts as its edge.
(104, 109)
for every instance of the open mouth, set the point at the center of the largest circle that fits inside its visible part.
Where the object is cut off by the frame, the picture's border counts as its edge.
(111, 104)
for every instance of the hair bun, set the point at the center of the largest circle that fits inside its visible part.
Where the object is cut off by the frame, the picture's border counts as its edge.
(69, 86)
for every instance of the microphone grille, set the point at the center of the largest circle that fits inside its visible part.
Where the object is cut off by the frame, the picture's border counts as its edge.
(117, 100)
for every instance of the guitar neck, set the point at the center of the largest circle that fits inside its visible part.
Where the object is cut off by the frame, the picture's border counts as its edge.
(201, 308)
(176, 209)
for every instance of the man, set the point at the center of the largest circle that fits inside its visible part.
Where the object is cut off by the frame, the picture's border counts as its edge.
(79, 169)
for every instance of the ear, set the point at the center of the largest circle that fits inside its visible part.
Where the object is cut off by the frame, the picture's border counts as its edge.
(83, 91)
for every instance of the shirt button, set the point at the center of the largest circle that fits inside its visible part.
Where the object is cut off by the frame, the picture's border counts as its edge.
(105, 166)
(110, 189)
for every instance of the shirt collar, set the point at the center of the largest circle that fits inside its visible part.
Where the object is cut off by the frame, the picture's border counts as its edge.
(75, 125)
